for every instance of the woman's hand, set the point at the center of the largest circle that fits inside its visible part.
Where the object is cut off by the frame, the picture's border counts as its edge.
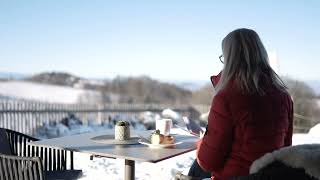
(202, 133)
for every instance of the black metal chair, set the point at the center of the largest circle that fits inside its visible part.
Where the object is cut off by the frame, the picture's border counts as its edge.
(21, 168)
(54, 162)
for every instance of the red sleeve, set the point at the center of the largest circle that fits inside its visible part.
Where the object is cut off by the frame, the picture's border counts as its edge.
(215, 146)
(288, 138)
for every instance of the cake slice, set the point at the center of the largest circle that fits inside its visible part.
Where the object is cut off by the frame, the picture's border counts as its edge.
(156, 137)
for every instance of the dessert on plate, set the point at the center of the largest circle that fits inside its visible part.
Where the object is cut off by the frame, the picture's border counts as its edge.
(168, 140)
(157, 138)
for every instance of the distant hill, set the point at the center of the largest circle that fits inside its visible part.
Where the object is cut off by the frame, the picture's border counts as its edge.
(65, 79)
(140, 89)
(192, 85)
(54, 78)
(143, 89)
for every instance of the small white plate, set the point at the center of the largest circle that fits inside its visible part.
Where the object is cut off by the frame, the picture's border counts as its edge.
(157, 146)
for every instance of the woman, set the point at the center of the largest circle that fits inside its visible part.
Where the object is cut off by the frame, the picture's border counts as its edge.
(250, 115)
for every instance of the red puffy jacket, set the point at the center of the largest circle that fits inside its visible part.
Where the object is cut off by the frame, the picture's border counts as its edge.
(242, 128)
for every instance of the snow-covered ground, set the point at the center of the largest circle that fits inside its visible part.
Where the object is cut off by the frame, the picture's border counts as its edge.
(45, 93)
(104, 168)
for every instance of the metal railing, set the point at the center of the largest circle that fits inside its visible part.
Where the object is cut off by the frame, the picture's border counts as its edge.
(26, 116)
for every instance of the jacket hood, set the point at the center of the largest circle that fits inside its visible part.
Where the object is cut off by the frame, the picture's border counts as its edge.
(306, 156)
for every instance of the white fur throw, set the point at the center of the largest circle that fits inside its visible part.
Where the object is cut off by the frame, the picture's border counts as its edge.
(306, 156)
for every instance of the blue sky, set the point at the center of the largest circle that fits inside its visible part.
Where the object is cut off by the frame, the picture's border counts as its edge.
(167, 40)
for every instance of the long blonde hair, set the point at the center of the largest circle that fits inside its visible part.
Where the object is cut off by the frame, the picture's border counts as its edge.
(246, 62)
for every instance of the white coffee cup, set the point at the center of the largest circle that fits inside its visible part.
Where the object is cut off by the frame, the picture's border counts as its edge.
(164, 126)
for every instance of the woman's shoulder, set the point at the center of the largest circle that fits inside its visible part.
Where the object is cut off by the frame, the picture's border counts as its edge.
(230, 90)
(228, 95)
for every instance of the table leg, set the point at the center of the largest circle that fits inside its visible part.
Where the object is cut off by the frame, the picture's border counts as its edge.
(129, 170)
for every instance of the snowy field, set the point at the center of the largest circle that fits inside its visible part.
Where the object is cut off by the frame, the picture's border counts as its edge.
(45, 93)
(104, 168)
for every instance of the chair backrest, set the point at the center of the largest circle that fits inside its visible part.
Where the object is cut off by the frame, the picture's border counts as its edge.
(53, 159)
(21, 168)
(19, 143)
(4, 143)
